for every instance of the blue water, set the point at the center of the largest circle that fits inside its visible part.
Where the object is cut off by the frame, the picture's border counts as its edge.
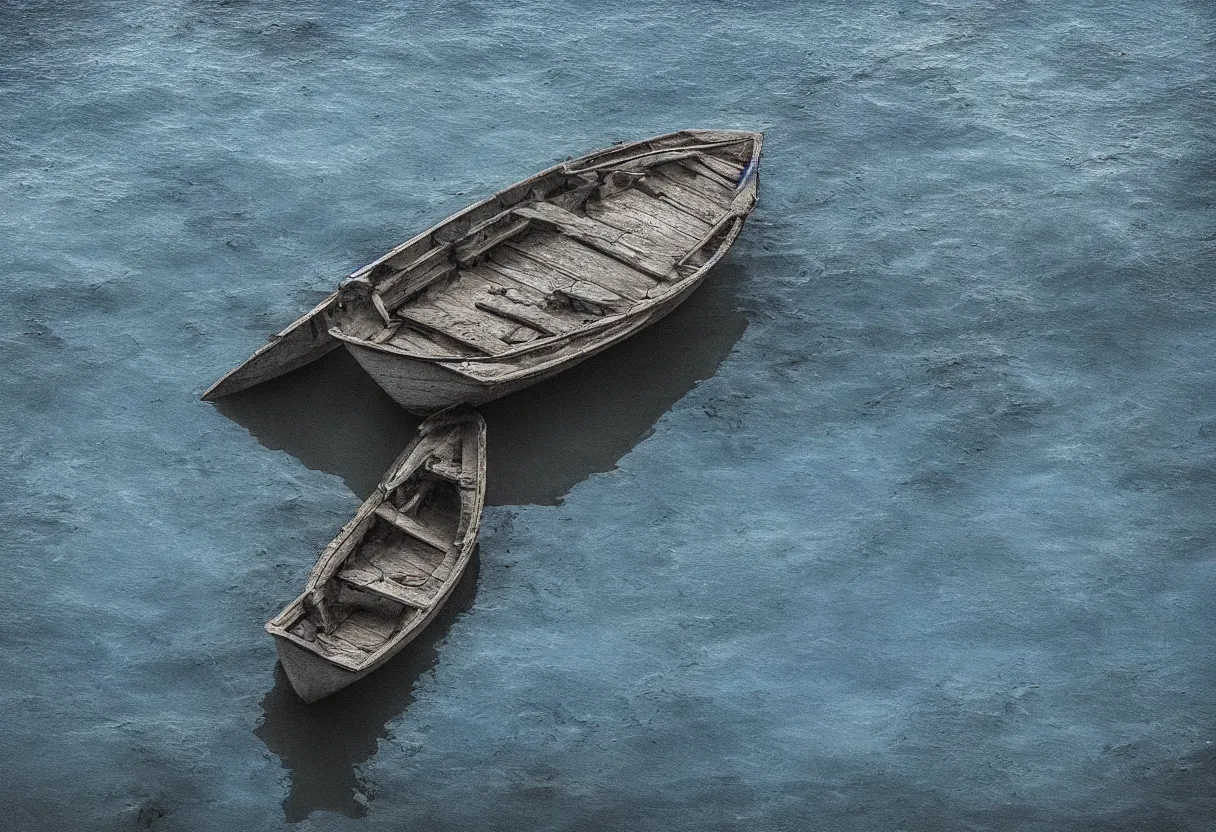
(904, 522)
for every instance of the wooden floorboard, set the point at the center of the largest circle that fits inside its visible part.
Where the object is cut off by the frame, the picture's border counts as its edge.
(699, 166)
(410, 557)
(727, 170)
(708, 189)
(585, 263)
(488, 280)
(430, 344)
(603, 238)
(642, 232)
(527, 315)
(683, 198)
(510, 261)
(671, 217)
(670, 229)
(464, 307)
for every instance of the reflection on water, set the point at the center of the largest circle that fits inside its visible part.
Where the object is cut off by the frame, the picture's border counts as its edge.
(542, 441)
(322, 744)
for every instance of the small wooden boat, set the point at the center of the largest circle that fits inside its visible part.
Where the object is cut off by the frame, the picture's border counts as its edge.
(536, 278)
(390, 570)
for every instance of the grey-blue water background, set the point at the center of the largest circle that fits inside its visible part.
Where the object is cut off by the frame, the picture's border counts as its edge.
(929, 546)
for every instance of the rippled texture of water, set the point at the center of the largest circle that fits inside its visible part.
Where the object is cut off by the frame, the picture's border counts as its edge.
(930, 545)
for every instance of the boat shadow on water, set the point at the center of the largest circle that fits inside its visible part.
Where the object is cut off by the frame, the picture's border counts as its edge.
(321, 745)
(541, 442)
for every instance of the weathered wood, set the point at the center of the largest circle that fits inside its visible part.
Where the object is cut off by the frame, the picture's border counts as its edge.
(411, 526)
(372, 622)
(515, 265)
(741, 206)
(431, 344)
(373, 591)
(463, 307)
(491, 281)
(531, 316)
(728, 171)
(469, 455)
(301, 343)
(361, 637)
(417, 283)
(381, 310)
(491, 237)
(698, 166)
(666, 237)
(581, 262)
(572, 167)
(452, 471)
(386, 334)
(599, 298)
(660, 214)
(683, 197)
(377, 584)
(395, 287)
(709, 189)
(432, 317)
(416, 560)
(640, 231)
(581, 227)
(337, 647)
(600, 238)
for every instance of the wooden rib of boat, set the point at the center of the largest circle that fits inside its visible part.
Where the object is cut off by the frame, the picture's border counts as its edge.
(392, 567)
(534, 279)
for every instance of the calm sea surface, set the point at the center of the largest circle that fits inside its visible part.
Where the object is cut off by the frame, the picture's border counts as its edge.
(903, 522)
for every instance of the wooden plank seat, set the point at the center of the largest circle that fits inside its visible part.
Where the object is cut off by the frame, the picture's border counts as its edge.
(453, 472)
(376, 582)
(412, 527)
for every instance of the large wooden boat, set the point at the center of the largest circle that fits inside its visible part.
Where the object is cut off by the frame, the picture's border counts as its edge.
(390, 570)
(536, 278)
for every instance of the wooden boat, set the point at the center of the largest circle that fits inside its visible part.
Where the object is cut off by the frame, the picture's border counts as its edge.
(390, 570)
(534, 279)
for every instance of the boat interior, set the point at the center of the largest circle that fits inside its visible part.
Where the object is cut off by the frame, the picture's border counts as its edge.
(582, 243)
(394, 565)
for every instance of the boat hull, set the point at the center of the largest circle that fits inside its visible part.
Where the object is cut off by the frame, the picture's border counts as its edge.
(423, 381)
(423, 386)
(311, 677)
(371, 594)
